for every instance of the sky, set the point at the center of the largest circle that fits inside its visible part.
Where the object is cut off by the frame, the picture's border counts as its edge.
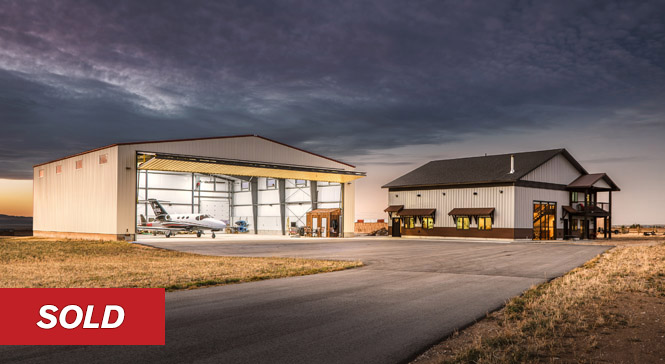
(385, 85)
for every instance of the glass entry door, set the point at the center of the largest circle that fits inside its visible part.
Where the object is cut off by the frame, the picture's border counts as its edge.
(544, 220)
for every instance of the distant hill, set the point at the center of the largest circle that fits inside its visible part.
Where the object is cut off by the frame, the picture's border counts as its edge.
(15, 222)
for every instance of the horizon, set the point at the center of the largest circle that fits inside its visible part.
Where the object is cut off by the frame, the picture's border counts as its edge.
(385, 86)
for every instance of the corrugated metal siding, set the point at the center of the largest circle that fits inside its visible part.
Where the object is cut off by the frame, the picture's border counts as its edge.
(77, 200)
(556, 170)
(460, 197)
(524, 197)
(246, 148)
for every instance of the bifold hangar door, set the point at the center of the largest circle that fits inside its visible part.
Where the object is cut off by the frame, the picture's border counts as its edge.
(269, 197)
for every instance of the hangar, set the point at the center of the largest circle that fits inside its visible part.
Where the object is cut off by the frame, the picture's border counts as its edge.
(102, 193)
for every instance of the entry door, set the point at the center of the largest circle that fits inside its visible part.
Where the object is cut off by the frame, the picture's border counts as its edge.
(315, 225)
(544, 220)
(396, 227)
(324, 226)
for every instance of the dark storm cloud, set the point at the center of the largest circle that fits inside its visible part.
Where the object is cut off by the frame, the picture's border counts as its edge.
(339, 78)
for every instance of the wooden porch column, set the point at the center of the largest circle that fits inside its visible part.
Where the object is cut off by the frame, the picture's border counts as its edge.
(609, 219)
(605, 227)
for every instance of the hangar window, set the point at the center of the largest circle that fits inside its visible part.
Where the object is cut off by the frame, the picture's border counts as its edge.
(244, 186)
(484, 223)
(58, 169)
(103, 159)
(41, 173)
(462, 223)
(301, 182)
(79, 164)
(271, 183)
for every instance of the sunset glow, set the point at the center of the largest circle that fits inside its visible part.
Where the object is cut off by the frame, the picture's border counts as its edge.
(16, 197)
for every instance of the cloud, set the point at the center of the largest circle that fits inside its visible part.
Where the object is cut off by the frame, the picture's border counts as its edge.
(339, 78)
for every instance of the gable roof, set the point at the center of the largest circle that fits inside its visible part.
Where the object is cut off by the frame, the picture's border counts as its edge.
(479, 170)
(194, 139)
(588, 180)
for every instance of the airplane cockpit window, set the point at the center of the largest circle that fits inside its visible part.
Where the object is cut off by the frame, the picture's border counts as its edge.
(198, 218)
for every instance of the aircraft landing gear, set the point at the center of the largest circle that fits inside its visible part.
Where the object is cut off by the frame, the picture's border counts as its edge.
(198, 234)
(168, 234)
(213, 234)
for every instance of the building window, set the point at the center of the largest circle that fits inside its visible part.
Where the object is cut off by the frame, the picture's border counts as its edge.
(103, 159)
(79, 164)
(271, 183)
(58, 169)
(428, 222)
(409, 223)
(301, 183)
(41, 173)
(573, 196)
(462, 223)
(484, 223)
(244, 186)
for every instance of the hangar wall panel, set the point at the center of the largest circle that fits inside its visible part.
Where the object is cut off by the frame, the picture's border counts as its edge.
(77, 200)
(524, 198)
(556, 170)
(460, 198)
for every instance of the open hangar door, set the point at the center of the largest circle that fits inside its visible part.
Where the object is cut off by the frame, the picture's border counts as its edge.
(184, 193)
(268, 197)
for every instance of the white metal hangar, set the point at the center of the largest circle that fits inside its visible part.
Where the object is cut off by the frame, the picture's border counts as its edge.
(102, 193)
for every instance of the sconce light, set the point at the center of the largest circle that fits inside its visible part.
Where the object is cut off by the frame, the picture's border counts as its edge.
(444, 193)
(475, 193)
(396, 195)
(418, 195)
(500, 191)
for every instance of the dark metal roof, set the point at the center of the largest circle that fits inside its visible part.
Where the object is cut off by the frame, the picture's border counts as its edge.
(474, 170)
(589, 180)
(393, 208)
(417, 212)
(478, 211)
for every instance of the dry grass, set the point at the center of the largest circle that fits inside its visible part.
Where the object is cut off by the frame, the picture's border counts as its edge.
(564, 320)
(47, 263)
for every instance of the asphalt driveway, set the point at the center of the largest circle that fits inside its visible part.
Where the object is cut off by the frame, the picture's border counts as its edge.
(410, 295)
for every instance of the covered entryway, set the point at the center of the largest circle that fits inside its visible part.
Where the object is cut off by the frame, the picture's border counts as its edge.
(396, 225)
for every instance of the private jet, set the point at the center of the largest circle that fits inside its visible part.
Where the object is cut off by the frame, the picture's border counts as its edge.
(171, 223)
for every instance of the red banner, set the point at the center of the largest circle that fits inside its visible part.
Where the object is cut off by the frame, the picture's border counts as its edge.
(82, 316)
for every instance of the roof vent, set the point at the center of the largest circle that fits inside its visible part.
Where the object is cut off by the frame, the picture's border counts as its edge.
(512, 163)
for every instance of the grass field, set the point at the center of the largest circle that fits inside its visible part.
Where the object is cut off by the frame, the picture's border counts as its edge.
(610, 310)
(47, 263)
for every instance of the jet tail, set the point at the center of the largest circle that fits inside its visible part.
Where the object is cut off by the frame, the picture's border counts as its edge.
(144, 222)
(158, 209)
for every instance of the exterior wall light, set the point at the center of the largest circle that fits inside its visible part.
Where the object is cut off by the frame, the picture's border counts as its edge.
(475, 193)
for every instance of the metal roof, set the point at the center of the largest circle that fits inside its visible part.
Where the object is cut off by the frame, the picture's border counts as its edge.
(479, 170)
(193, 139)
(471, 211)
(588, 180)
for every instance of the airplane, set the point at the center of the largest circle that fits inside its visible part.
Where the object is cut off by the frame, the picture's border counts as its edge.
(180, 222)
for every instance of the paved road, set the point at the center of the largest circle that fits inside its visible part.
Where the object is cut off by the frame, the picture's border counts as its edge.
(411, 294)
